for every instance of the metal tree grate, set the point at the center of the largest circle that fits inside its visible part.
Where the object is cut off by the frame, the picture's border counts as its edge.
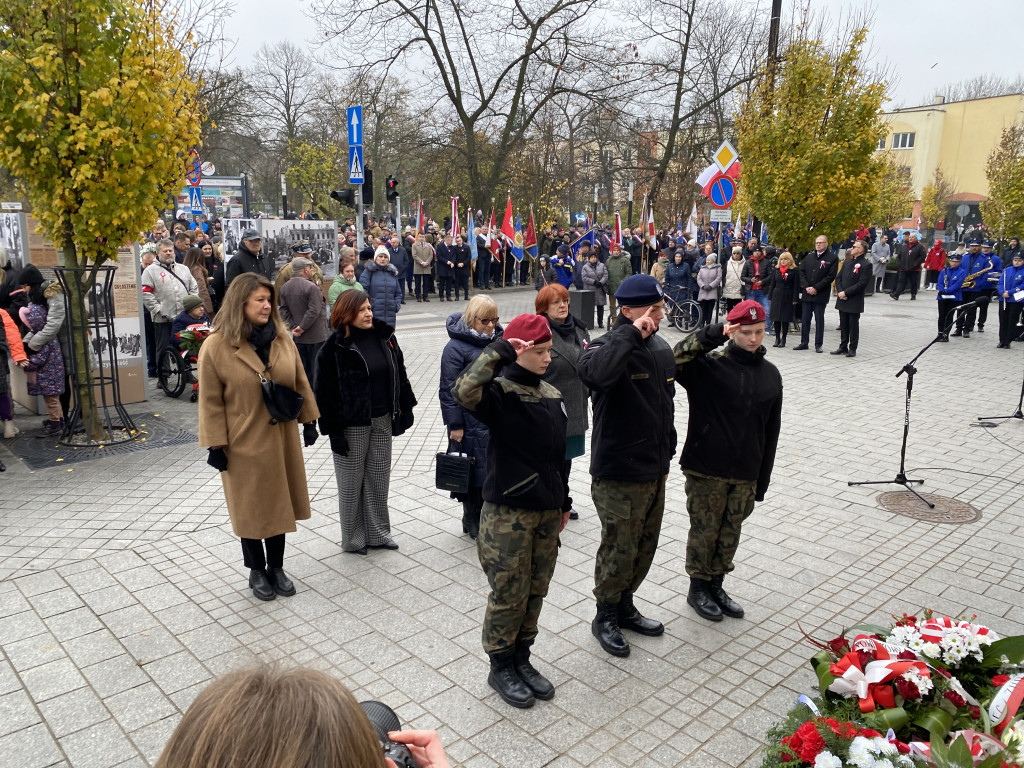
(951, 511)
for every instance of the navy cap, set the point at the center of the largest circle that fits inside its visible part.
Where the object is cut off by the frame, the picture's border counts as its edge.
(988, 244)
(563, 249)
(639, 291)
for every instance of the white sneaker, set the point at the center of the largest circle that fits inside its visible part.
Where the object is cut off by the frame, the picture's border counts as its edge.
(10, 431)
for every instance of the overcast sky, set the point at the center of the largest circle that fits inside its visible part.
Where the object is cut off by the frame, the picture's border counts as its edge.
(925, 43)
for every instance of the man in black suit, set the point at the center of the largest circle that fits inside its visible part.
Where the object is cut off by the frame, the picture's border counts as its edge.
(817, 271)
(851, 281)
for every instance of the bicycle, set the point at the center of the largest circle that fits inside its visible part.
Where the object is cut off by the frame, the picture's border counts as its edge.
(684, 314)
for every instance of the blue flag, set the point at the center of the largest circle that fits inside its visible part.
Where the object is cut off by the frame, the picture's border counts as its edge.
(588, 236)
(517, 241)
(471, 235)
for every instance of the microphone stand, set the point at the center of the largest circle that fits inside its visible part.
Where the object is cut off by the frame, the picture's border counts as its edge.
(909, 369)
(1018, 414)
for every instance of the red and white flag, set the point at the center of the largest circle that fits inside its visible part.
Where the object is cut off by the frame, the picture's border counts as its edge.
(617, 232)
(651, 239)
(493, 241)
(508, 229)
(455, 218)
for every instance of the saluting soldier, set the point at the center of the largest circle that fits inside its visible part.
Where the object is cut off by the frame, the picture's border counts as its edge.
(735, 401)
(631, 376)
(526, 497)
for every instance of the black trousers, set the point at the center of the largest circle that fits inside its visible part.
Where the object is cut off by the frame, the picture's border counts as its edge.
(816, 310)
(150, 344)
(444, 286)
(849, 330)
(254, 558)
(462, 281)
(781, 330)
(707, 310)
(308, 354)
(422, 285)
(1009, 314)
(945, 314)
(965, 320)
(903, 279)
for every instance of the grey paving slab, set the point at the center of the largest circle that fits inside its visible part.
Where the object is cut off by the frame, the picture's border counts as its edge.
(119, 602)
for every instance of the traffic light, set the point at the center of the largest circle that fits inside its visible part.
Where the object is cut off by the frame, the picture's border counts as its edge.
(367, 186)
(344, 196)
(392, 188)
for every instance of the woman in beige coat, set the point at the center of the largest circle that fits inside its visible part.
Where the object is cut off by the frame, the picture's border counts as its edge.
(260, 460)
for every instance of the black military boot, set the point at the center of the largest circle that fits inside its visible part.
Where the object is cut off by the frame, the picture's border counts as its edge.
(605, 627)
(729, 606)
(506, 681)
(702, 602)
(470, 519)
(630, 618)
(535, 681)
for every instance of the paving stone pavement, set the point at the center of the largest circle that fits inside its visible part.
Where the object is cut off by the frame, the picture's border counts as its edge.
(122, 592)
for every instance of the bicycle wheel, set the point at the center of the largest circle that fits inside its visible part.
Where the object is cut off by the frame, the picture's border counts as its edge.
(687, 316)
(171, 373)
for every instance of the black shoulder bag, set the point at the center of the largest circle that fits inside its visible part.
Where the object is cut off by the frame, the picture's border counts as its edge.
(283, 403)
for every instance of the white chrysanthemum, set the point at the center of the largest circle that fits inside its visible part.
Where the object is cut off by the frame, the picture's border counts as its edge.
(902, 635)
(932, 650)
(883, 764)
(916, 644)
(904, 761)
(883, 746)
(860, 753)
(951, 641)
(827, 760)
(955, 655)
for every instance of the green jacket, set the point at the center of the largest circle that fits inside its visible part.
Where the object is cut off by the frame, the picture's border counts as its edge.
(339, 286)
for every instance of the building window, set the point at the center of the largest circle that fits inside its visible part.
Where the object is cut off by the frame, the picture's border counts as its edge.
(627, 155)
(903, 141)
(606, 156)
(586, 158)
(881, 143)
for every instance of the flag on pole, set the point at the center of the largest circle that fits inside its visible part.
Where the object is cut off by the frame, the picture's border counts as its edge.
(651, 239)
(764, 232)
(493, 241)
(617, 232)
(507, 230)
(530, 240)
(588, 236)
(455, 217)
(517, 241)
(421, 222)
(471, 233)
(694, 227)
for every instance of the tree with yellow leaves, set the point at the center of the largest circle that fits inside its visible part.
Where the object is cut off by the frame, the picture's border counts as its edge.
(807, 139)
(936, 197)
(97, 113)
(1003, 212)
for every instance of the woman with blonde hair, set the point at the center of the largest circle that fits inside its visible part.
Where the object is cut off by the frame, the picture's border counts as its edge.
(259, 458)
(782, 289)
(274, 718)
(468, 333)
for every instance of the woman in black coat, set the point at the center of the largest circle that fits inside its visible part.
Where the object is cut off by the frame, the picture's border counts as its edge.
(783, 290)
(463, 267)
(367, 400)
(468, 334)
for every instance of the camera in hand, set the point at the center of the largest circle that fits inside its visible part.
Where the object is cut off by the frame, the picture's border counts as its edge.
(384, 721)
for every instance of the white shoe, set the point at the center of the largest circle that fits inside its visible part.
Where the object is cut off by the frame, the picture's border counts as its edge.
(10, 430)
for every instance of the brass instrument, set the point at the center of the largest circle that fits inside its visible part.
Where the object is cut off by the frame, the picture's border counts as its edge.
(969, 280)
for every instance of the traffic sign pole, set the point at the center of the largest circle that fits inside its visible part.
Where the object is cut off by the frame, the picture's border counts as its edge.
(359, 219)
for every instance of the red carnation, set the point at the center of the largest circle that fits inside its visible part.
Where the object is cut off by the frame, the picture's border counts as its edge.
(907, 689)
(998, 680)
(954, 698)
(868, 733)
(806, 743)
(975, 712)
(907, 656)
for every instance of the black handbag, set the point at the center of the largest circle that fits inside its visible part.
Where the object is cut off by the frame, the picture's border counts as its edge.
(454, 471)
(283, 403)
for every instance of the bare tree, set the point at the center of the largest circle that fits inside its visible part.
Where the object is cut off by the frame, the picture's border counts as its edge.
(981, 87)
(285, 84)
(484, 75)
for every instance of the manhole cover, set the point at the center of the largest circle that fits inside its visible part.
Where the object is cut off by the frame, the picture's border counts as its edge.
(946, 510)
(40, 452)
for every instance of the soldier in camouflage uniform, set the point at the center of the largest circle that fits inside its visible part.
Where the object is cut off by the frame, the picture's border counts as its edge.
(631, 373)
(526, 497)
(735, 401)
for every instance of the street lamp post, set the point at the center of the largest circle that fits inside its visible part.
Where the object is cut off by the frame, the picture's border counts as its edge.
(284, 198)
(629, 212)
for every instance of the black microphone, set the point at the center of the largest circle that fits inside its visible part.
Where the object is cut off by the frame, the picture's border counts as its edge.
(980, 301)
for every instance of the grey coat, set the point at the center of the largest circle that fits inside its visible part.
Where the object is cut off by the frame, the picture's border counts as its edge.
(708, 280)
(592, 274)
(879, 258)
(561, 373)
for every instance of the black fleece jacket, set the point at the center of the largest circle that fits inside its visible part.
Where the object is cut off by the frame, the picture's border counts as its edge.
(735, 400)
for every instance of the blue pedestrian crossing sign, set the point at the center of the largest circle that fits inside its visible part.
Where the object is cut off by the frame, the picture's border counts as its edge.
(354, 120)
(355, 165)
(195, 200)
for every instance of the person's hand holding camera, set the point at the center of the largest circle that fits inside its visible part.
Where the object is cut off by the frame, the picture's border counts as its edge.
(425, 747)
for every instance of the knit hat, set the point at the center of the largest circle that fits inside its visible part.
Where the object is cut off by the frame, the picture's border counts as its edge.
(191, 302)
(30, 275)
(533, 328)
(563, 249)
(381, 250)
(747, 312)
(639, 291)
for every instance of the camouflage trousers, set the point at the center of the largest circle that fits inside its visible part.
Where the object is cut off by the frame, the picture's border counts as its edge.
(717, 507)
(517, 549)
(630, 516)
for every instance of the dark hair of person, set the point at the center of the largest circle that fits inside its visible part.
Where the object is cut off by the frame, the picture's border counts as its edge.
(195, 258)
(347, 308)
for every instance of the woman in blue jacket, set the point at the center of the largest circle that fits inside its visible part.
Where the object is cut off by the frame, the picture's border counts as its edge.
(1010, 292)
(381, 281)
(468, 333)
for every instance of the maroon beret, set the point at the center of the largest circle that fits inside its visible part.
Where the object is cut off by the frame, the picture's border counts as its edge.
(533, 328)
(747, 312)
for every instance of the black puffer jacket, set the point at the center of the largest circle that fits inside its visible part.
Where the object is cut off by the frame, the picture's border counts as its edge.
(632, 382)
(735, 400)
(245, 260)
(342, 384)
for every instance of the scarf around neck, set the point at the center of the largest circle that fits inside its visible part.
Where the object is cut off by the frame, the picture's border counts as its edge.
(261, 338)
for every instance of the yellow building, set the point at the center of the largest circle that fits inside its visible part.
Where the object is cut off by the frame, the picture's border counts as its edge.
(956, 137)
